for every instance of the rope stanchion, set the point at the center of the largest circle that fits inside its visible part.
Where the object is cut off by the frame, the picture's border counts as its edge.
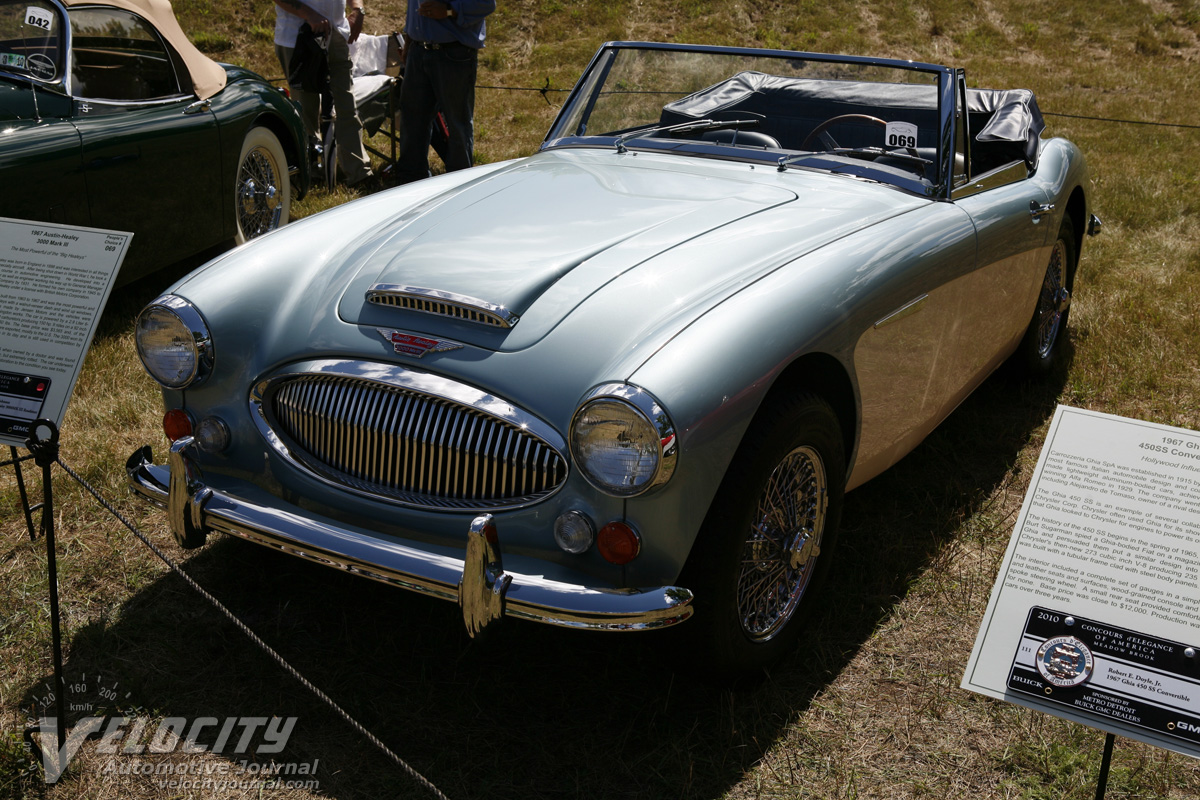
(275, 656)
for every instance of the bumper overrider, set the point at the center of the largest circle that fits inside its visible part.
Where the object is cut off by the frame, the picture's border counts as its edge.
(477, 581)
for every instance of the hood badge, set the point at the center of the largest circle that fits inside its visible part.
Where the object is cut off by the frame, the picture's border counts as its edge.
(409, 344)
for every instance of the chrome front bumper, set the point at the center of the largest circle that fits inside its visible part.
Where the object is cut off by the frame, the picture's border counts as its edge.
(477, 580)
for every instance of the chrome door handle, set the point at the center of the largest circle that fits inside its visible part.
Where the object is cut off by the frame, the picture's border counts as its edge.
(198, 107)
(1038, 210)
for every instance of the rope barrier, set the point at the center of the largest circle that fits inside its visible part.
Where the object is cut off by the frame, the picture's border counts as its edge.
(1122, 121)
(545, 90)
(353, 723)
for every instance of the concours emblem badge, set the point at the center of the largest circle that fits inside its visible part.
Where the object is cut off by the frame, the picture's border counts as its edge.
(408, 344)
(1064, 661)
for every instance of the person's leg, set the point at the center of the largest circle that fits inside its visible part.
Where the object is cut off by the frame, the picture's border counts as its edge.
(417, 104)
(351, 154)
(309, 101)
(455, 85)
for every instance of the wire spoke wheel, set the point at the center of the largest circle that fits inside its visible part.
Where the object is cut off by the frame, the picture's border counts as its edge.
(259, 204)
(767, 540)
(1045, 343)
(262, 192)
(1053, 301)
(781, 548)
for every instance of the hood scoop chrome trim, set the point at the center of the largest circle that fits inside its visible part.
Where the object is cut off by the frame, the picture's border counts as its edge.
(442, 304)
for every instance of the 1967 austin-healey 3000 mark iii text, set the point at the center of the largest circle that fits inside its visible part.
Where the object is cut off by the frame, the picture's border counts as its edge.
(625, 383)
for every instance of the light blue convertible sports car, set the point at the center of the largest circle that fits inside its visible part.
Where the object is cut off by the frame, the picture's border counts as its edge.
(624, 383)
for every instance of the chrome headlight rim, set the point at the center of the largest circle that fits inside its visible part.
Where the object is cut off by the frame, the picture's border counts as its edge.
(199, 339)
(653, 413)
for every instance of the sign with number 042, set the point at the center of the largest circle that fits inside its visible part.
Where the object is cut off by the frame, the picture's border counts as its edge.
(39, 18)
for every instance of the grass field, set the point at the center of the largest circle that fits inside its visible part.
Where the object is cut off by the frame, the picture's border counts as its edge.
(869, 704)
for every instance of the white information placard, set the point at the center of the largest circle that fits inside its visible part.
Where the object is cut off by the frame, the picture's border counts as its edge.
(1095, 613)
(54, 282)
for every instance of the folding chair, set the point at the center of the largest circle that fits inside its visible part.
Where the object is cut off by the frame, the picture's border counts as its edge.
(376, 74)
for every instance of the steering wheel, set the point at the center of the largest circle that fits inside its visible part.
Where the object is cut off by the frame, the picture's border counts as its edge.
(829, 123)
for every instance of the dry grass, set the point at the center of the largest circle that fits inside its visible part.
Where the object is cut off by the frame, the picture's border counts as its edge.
(869, 705)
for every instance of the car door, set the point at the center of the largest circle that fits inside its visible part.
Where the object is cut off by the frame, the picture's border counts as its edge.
(1013, 252)
(1007, 210)
(150, 150)
(40, 162)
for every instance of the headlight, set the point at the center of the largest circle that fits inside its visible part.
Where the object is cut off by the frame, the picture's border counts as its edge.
(174, 343)
(623, 440)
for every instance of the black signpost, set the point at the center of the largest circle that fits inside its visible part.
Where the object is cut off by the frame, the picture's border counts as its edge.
(43, 444)
(1105, 762)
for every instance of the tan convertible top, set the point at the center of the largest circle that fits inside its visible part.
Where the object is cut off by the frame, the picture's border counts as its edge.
(208, 77)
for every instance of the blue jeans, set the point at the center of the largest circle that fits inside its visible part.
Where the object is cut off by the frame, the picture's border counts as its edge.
(436, 80)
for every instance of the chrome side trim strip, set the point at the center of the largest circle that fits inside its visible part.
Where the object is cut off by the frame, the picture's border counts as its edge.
(290, 530)
(906, 310)
(440, 303)
(1000, 176)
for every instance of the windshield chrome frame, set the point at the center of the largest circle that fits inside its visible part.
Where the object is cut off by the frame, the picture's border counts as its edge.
(558, 136)
(61, 83)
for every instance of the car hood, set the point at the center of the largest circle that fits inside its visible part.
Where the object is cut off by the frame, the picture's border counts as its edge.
(540, 237)
(512, 237)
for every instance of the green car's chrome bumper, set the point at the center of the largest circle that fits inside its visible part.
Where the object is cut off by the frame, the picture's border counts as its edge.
(477, 580)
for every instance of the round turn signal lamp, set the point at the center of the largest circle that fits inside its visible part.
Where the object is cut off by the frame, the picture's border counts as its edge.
(574, 532)
(212, 434)
(177, 423)
(619, 543)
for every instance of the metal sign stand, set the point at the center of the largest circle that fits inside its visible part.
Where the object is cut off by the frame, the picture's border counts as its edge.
(15, 462)
(1105, 763)
(45, 453)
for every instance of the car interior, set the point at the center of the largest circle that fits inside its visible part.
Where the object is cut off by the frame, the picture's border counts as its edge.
(792, 114)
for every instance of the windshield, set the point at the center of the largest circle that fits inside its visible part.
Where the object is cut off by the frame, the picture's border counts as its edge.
(869, 118)
(31, 40)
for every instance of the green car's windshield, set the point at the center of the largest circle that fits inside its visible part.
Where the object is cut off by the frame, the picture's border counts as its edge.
(31, 42)
(871, 118)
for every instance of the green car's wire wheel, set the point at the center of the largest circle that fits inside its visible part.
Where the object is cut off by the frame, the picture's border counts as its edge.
(262, 194)
(782, 545)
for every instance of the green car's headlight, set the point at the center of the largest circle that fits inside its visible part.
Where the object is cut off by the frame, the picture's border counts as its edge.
(623, 441)
(174, 343)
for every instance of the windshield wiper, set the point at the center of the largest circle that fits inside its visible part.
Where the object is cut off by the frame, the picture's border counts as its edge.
(684, 127)
(863, 152)
(876, 152)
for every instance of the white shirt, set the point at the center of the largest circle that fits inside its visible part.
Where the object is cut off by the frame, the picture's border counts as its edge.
(287, 24)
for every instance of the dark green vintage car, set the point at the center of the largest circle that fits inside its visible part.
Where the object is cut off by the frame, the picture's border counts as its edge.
(111, 118)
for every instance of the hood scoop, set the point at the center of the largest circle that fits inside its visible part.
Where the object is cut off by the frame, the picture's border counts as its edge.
(441, 304)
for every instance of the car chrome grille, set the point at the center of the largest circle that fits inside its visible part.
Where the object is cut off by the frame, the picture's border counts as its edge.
(407, 446)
